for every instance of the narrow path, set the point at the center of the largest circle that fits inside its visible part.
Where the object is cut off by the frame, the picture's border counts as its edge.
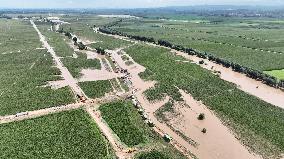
(256, 88)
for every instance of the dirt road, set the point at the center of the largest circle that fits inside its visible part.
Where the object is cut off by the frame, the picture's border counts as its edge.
(38, 113)
(211, 145)
(64, 71)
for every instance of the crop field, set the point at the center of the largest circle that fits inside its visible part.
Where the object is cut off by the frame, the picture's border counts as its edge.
(250, 117)
(56, 40)
(75, 65)
(85, 31)
(124, 120)
(91, 20)
(260, 49)
(70, 134)
(24, 70)
(153, 155)
(209, 78)
(96, 89)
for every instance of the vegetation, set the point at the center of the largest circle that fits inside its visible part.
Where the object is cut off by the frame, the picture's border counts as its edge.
(25, 70)
(125, 57)
(123, 85)
(125, 121)
(101, 51)
(86, 32)
(153, 155)
(75, 65)
(201, 116)
(254, 126)
(56, 40)
(168, 107)
(96, 89)
(249, 55)
(279, 74)
(71, 134)
(128, 63)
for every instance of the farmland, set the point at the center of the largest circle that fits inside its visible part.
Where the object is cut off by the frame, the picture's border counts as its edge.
(56, 40)
(124, 120)
(230, 40)
(231, 104)
(96, 89)
(24, 70)
(75, 65)
(70, 134)
(141, 84)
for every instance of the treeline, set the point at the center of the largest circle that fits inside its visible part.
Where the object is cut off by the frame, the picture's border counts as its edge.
(5, 16)
(80, 45)
(252, 73)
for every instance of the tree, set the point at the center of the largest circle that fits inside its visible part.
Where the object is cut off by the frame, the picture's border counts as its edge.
(82, 46)
(100, 51)
(68, 35)
(75, 39)
(201, 116)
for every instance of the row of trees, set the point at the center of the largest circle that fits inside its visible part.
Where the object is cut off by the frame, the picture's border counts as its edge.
(80, 45)
(252, 73)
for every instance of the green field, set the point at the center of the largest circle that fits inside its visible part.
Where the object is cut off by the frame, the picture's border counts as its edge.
(124, 120)
(279, 74)
(229, 40)
(70, 134)
(24, 70)
(75, 65)
(96, 89)
(56, 40)
(250, 117)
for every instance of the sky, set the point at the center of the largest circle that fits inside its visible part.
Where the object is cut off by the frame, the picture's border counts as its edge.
(127, 3)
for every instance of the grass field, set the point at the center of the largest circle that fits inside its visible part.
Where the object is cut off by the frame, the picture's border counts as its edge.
(279, 74)
(124, 120)
(70, 134)
(96, 89)
(250, 117)
(260, 49)
(23, 72)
